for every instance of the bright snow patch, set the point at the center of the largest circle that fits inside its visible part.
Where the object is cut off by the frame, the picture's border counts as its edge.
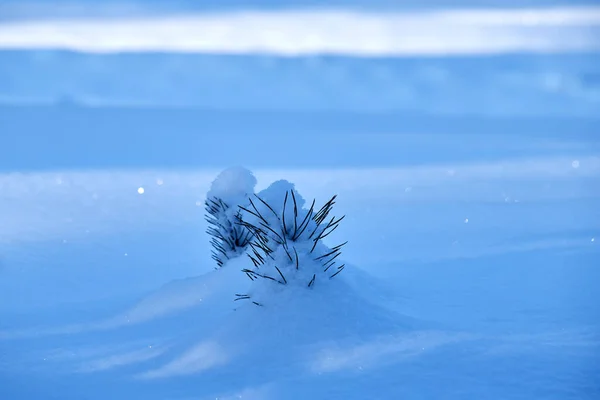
(321, 31)
(233, 185)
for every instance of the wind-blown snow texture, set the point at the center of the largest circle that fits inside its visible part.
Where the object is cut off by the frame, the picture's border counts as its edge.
(470, 185)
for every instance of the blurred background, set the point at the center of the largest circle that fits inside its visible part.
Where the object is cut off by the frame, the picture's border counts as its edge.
(439, 57)
(470, 127)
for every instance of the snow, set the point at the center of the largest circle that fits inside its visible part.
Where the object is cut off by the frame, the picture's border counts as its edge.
(470, 186)
(228, 192)
(233, 185)
(322, 31)
(505, 310)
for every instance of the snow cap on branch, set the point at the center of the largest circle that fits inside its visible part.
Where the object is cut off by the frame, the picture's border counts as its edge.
(233, 184)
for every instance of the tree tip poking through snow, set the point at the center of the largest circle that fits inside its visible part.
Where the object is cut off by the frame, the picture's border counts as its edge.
(282, 237)
(228, 191)
(286, 246)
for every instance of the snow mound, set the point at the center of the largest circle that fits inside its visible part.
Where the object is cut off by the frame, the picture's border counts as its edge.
(289, 334)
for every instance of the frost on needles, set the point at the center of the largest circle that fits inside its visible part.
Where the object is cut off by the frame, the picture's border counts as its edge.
(281, 235)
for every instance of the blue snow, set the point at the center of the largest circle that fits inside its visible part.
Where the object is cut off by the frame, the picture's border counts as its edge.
(470, 185)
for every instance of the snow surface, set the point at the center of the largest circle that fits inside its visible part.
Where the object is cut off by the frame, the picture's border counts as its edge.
(500, 306)
(470, 186)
